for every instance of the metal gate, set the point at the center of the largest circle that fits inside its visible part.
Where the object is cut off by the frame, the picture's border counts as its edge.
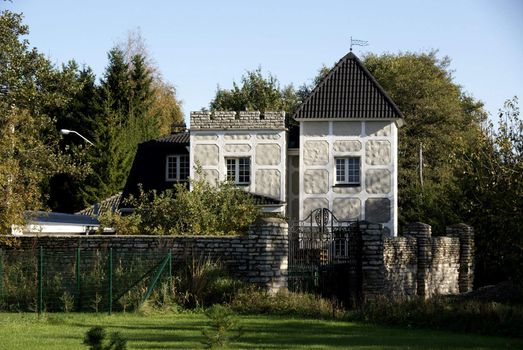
(325, 256)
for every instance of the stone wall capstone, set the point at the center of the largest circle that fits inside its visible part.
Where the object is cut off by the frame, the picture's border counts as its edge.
(237, 120)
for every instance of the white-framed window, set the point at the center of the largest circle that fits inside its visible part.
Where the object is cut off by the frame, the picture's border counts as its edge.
(239, 170)
(177, 167)
(348, 170)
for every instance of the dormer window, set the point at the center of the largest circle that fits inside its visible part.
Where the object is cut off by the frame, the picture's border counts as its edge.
(239, 170)
(177, 167)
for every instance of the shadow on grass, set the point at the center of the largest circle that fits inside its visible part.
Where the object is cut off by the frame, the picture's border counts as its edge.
(280, 333)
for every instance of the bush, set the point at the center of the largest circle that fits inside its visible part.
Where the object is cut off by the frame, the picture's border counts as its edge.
(252, 300)
(205, 210)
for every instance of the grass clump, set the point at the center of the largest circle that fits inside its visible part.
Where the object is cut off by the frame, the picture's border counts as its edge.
(252, 300)
(95, 339)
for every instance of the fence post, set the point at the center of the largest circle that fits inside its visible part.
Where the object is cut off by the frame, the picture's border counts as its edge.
(170, 264)
(40, 306)
(78, 281)
(110, 280)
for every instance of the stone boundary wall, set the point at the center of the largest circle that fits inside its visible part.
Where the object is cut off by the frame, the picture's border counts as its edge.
(416, 264)
(260, 257)
(237, 120)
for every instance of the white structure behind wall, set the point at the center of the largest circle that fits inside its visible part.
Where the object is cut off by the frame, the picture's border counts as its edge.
(374, 197)
(261, 138)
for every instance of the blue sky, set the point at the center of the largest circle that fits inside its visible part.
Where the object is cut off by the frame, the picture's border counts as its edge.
(201, 44)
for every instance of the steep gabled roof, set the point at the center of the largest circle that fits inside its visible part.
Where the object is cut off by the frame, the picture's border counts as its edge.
(348, 91)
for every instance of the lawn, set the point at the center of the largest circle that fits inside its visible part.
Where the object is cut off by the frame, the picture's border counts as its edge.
(183, 331)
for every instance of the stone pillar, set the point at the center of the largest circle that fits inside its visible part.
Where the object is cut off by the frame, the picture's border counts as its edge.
(355, 268)
(268, 249)
(422, 232)
(465, 233)
(372, 265)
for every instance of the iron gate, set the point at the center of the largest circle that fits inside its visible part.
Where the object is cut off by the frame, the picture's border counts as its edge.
(325, 256)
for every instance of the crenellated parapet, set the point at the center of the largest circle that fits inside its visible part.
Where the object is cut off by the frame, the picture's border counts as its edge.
(237, 120)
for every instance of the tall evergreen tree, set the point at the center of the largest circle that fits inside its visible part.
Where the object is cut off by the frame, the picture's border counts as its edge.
(142, 95)
(82, 115)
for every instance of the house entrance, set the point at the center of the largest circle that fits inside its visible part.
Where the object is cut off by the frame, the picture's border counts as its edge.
(325, 256)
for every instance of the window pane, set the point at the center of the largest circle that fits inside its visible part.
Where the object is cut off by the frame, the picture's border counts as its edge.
(171, 167)
(184, 167)
(340, 170)
(245, 170)
(231, 169)
(354, 170)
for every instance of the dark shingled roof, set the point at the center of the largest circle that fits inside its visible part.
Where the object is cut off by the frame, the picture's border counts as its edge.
(110, 203)
(181, 137)
(348, 91)
(259, 199)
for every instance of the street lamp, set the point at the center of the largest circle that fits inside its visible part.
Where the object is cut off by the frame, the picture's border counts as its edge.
(67, 132)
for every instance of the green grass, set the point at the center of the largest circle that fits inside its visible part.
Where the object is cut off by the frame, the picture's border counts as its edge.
(183, 331)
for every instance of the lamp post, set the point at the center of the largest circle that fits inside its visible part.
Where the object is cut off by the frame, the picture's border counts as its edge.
(67, 132)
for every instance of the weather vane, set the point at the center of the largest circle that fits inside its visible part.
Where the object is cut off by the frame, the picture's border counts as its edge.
(354, 42)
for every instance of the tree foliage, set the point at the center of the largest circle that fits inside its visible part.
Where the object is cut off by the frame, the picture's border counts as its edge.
(256, 92)
(131, 104)
(30, 89)
(440, 118)
(166, 106)
(204, 210)
(493, 186)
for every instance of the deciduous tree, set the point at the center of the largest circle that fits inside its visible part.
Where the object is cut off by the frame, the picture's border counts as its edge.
(30, 87)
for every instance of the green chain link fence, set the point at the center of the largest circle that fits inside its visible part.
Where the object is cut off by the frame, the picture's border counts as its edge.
(81, 279)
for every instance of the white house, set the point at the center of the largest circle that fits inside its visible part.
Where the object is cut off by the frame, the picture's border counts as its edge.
(342, 155)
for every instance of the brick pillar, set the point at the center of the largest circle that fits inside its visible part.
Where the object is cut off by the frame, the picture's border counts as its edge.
(465, 233)
(422, 232)
(268, 250)
(372, 265)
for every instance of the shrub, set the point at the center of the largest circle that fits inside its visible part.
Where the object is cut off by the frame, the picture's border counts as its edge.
(203, 281)
(94, 338)
(252, 300)
(205, 210)
(224, 327)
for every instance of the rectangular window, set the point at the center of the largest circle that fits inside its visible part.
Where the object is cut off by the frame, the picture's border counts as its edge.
(239, 170)
(341, 244)
(348, 170)
(177, 167)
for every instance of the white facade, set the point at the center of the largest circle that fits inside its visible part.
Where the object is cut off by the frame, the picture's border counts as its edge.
(265, 148)
(374, 198)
